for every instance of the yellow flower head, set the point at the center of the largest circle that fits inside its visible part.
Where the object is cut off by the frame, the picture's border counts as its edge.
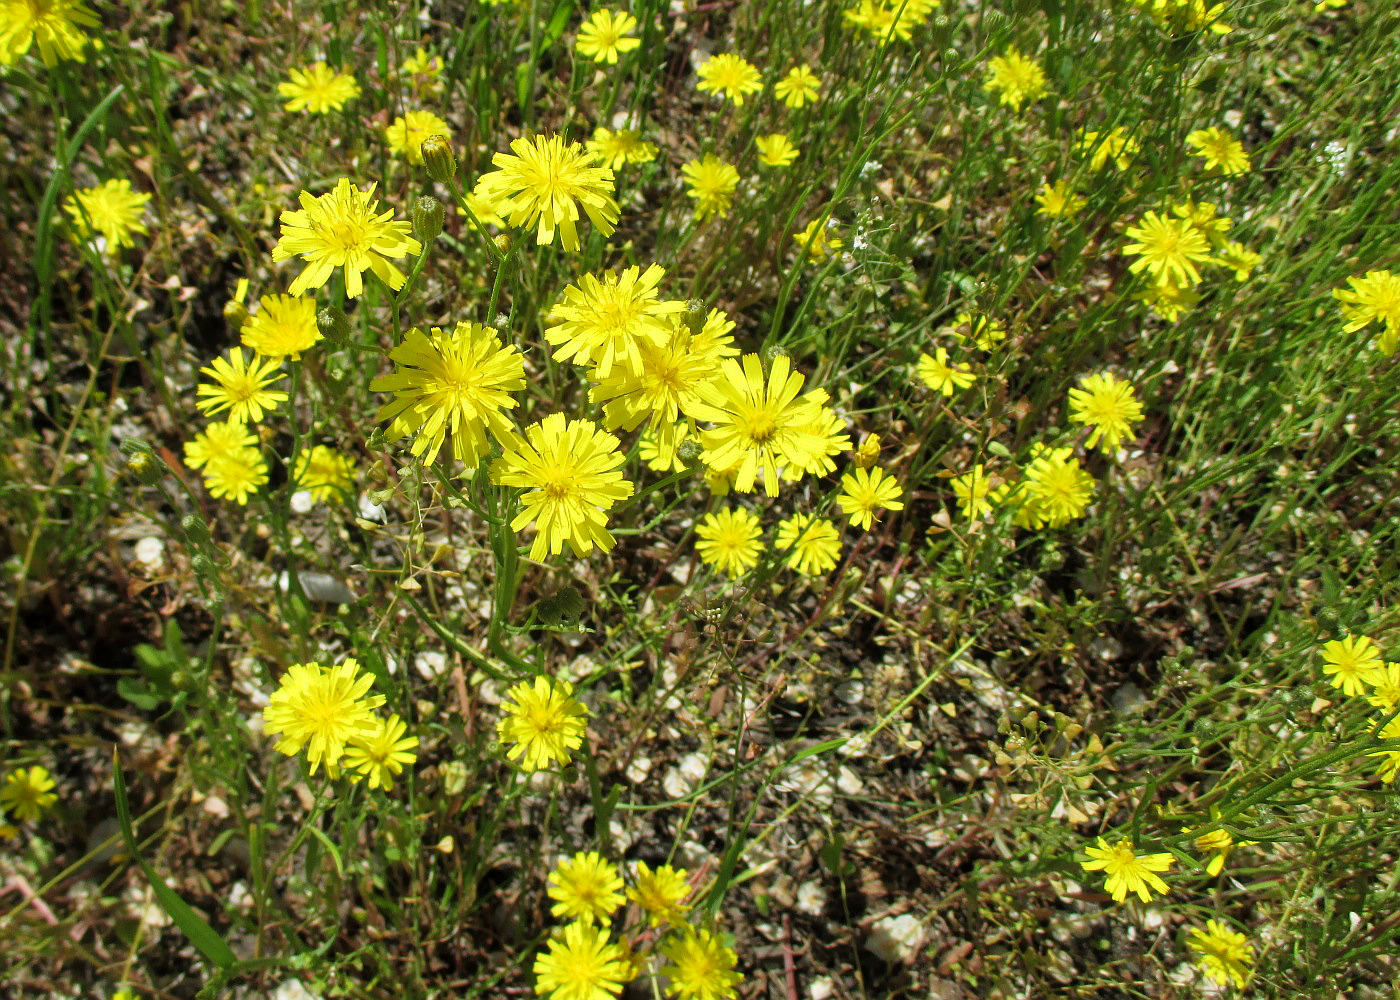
(381, 754)
(424, 70)
(581, 964)
(701, 966)
(112, 210)
(219, 440)
(1058, 200)
(865, 491)
(1115, 144)
(729, 76)
(1106, 404)
(814, 542)
(283, 327)
(941, 375)
(983, 331)
(1059, 488)
(28, 794)
(761, 424)
(1353, 663)
(730, 540)
(818, 238)
(1167, 248)
(1128, 871)
(236, 476)
(571, 471)
(318, 89)
(617, 149)
(606, 34)
(711, 185)
(52, 25)
(885, 19)
(660, 893)
(775, 150)
(341, 229)
(241, 387)
(607, 322)
(324, 473)
(322, 709)
(1015, 78)
(1171, 300)
(800, 86)
(1238, 258)
(585, 887)
(1219, 149)
(543, 721)
(543, 182)
(406, 133)
(1386, 681)
(1223, 956)
(868, 453)
(973, 490)
(1373, 297)
(456, 383)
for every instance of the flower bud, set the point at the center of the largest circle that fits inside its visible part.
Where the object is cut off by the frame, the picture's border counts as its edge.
(695, 313)
(439, 158)
(427, 218)
(689, 452)
(195, 529)
(145, 467)
(236, 313)
(333, 324)
(503, 242)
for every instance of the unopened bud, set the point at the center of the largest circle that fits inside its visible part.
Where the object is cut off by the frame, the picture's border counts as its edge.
(503, 242)
(195, 529)
(333, 324)
(439, 159)
(236, 313)
(427, 218)
(689, 452)
(145, 467)
(771, 354)
(132, 447)
(695, 316)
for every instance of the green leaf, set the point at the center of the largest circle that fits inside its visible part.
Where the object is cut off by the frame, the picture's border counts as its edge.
(138, 694)
(201, 935)
(557, 23)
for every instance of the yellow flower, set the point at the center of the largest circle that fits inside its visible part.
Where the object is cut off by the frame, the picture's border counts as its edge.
(1106, 404)
(1058, 200)
(1224, 956)
(581, 964)
(814, 541)
(341, 229)
(406, 133)
(605, 34)
(50, 24)
(983, 331)
(817, 239)
(800, 86)
(729, 76)
(1202, 215)
(381, 753)
(1389, 766)
(1171, 300)
(868, 453)
(973, 489)
(1015, 78)
(1059, 488)
(608, 321)
(318, 89)
(1238, 258)
(571, 471)
(240, 387)
(1353, 663)
(1168, 248)
(940, 375)
(701, 966)
(617, 149)
(543, 181)
(425, 70)
(711, 184)
(456, 383)
(1374, 297)
(885, 19)
(28, 794)
(1220, 150)
(585, 887)
(761, 424)
(219, 440)
(1115, 145)
(1127, 871)
(865, 491)
(660, 893)
(322, 709)
(730, 540)
(283, 327)
(111, 210)
(235, 476)
(775, 150)
(1386, 681)
(324, 473)
(544, 721)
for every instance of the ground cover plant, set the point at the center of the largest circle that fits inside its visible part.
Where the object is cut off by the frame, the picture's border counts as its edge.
(859, 498)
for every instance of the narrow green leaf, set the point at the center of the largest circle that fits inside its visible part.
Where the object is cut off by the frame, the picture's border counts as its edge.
(201, 935)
